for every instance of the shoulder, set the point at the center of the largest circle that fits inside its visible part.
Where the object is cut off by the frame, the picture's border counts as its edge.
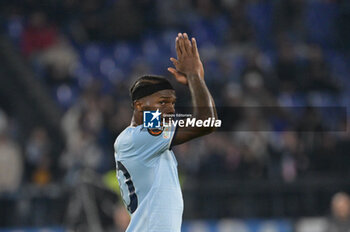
(129, 138)
(124, 138)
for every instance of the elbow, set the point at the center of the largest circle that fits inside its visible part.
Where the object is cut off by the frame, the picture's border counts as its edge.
(211, 125)
(208, 130)
(211, 129)
(207, 124)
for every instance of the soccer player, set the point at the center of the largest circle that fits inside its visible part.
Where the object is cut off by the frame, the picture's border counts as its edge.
(146, 165)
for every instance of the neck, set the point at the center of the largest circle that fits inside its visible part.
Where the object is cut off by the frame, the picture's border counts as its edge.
(136, 119)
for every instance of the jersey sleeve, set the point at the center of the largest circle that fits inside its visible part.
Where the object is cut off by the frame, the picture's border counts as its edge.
(145, 145)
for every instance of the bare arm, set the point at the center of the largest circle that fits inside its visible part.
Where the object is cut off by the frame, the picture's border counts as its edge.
(189, 70)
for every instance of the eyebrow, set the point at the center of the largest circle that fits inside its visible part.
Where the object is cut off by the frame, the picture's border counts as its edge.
(167, 97)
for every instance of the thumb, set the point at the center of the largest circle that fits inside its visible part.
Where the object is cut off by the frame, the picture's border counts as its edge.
(178, 76)
(172, 71)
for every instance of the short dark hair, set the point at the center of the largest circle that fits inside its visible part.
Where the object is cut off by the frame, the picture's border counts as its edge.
(145, 81)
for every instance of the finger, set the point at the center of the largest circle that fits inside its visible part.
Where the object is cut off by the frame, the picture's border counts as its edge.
(182, 44)
(175, 61)
(188, 45)
(178, 76)
(194, 47)
(177, 47)
(172, 71)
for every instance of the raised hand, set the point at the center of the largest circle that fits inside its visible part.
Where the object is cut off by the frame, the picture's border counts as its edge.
(189, 71)
(188, 62)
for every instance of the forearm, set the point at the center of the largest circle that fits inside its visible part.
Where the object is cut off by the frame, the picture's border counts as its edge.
(213, 106)
(202, 100)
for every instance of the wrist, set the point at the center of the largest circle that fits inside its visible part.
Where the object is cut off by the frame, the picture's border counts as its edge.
(193, 76)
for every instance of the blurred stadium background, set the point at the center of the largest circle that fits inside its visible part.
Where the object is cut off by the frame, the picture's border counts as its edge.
(65, 70)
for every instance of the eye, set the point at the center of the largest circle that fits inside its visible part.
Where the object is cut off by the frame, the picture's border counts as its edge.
(162, 102)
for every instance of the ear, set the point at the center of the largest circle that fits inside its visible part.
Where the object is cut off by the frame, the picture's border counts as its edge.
(138, 105)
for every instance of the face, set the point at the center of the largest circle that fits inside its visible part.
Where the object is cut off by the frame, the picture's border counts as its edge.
(163, 100)
(341, 206)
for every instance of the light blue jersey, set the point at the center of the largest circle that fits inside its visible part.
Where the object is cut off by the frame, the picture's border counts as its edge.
(148, 180)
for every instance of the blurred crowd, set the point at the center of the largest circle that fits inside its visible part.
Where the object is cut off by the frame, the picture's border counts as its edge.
(256, 53)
